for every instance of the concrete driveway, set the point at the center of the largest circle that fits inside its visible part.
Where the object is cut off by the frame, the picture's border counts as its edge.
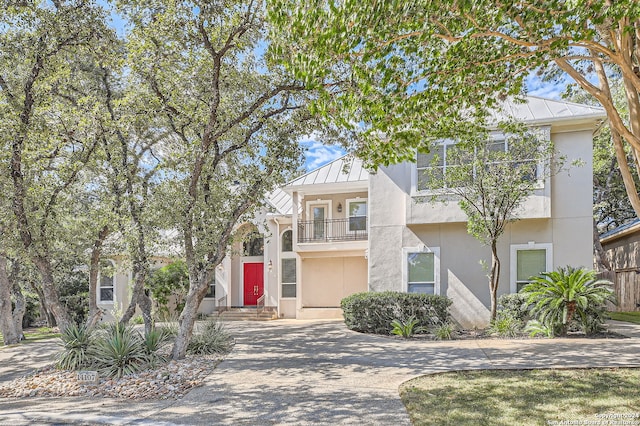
(318, 372)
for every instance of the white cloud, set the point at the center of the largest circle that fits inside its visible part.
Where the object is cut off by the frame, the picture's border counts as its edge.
(547, 89)
(317, 154)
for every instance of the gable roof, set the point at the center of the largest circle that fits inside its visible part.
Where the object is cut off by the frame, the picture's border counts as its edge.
(621, 231)
(343, 169)
(280, 201)
(537, 109)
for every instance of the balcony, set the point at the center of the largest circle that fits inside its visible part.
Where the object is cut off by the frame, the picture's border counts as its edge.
(333, 230)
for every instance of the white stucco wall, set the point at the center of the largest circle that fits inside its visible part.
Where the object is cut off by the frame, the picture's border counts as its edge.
(560, 216)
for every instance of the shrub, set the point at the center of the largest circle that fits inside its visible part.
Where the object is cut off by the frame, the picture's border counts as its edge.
(506, 326)
(444, 331)
(514, 305)
(372, 312)
(119, 350)
(75, 341)
(211, 339)
(406, 328)
(511, 317)
(561, 296)
(170, 280)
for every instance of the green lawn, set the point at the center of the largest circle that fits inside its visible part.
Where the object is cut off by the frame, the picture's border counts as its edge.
(35, 334)
(633, 317)
(524, 397)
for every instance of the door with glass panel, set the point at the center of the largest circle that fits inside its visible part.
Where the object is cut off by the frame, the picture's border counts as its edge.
(319, 213)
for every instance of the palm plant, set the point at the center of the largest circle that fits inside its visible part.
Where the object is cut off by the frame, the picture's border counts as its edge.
(560, 296)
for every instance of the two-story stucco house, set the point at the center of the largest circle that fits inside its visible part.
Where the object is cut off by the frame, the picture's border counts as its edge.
(339, 230)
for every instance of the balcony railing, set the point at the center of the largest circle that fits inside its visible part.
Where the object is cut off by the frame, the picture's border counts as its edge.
(332, 230)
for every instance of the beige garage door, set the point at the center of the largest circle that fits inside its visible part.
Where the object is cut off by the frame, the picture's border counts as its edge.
(326, 281)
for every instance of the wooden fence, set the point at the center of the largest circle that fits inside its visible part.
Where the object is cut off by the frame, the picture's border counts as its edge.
(626, 283)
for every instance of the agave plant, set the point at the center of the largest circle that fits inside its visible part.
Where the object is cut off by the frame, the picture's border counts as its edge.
(75, 343)
(119, 350)
(213, 338)
(560, 296)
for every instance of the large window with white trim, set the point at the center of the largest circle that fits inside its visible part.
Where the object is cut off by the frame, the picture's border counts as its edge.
(527, 261)
(288, 266)
(447, 155)
(422, 270)
(357, 212)
(288, 281)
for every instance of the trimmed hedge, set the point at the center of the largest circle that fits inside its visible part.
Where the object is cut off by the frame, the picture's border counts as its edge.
(372, 312)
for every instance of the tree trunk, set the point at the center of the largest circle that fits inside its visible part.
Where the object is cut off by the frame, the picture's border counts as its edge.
(601, 261)
(7, 326)
(189, 315)
(494, 279)
(62, 318)
(627, 177)
(18, 298)
(136, 295)
(95, 313)
(145, 304)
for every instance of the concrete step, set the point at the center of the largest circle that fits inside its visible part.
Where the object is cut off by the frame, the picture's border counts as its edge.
(246, 315)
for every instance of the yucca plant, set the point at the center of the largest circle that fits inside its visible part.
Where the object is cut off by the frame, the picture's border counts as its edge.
(444, 331)
(119, 350)
(212, 338)
(560, 296)
(75, 343)
(406, 328)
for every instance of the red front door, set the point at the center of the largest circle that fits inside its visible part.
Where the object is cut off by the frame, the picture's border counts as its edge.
(253, 283)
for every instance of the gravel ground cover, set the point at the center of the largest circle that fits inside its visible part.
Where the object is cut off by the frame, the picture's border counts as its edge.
(169, 381)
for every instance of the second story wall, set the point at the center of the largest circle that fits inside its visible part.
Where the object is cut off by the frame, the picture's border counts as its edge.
(567, 194)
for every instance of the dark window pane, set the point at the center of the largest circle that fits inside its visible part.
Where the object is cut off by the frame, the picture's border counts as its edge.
(287, 241)
(288, 270)
(212, 291)
(254, 247)
(106, 294)
(288, 290)
(357, 224)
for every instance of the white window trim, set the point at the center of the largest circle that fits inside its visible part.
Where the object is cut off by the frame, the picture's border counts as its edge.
(352, 200)
(310, 204)
(113, 278)
(513, 256)
(280, 250)
(436, 265)
(286, 255)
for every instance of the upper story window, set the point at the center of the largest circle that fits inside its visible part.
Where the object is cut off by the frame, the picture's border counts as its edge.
(287, 241)
(449, 155)
(357, 211)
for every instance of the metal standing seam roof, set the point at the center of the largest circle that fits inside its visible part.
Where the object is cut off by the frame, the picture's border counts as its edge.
(334, 172)
(281, 201)
(541, 109)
